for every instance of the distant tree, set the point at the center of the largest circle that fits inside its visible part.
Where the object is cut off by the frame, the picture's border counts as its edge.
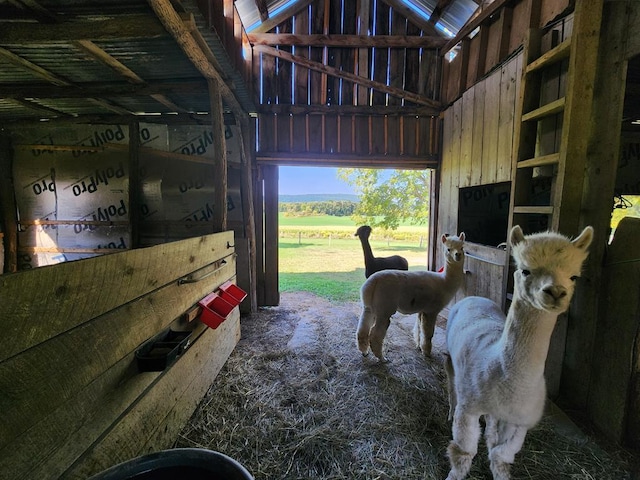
(389, 197)
(338, 208)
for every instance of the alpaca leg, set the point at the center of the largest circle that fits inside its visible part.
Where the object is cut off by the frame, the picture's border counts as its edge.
(416, 332)
(427, 327)
(451, 385)
(504, 441)
(364, 328)
(378, 332)
(464, 446)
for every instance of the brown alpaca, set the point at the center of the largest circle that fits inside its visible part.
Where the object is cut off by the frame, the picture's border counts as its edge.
(375, 264)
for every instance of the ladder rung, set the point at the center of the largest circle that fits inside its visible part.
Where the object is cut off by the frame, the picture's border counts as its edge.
(539, 161)
(545, 111)
(544, 210)
(556, 54)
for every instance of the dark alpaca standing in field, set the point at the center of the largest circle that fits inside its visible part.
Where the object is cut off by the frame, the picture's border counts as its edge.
(375, 264)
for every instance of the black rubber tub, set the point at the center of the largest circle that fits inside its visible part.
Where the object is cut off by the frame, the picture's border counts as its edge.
(178, 463)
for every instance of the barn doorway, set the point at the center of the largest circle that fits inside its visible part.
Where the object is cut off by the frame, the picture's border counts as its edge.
(319, 212)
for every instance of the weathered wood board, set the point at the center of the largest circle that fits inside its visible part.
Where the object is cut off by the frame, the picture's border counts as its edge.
(73, 400)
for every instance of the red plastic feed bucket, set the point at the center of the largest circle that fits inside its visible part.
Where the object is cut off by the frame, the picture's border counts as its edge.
(215, 309)
(232, 293)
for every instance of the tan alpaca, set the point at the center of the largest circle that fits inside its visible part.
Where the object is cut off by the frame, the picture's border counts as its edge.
(496, 364)
(423, 292)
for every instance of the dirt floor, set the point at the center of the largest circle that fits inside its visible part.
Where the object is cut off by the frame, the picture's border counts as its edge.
(297, 400)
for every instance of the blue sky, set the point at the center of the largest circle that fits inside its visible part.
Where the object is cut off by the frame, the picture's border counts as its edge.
(303, 180)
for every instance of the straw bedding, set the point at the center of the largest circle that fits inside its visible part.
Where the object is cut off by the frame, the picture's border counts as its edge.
(296, 400)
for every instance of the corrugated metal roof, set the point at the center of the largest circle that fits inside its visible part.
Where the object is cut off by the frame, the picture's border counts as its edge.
(455, 16)
(68, 64)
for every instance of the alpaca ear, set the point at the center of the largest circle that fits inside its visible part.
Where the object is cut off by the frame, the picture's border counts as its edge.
(516, 236)
(461, 236)
(444, 237)
(584, 239)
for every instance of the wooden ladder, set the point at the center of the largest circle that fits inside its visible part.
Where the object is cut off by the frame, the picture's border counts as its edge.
(551, 127)
(539, 166)
(551, 135)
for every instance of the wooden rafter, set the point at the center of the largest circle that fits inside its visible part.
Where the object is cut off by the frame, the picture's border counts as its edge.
(99, 54)
(80, 33)
(19, 91)
(172, 22)
(31, 105)
(121, 27)
(402, 8)
(347, 41)
(273, 22)
(53, 78)
(328, 70)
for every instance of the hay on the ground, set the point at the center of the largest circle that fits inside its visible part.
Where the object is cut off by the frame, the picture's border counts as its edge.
(296, 400)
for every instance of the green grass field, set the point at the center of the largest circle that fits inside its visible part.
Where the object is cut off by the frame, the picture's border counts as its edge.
(321, 255)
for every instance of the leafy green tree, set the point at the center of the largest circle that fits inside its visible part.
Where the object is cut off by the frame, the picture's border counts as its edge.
(389, 197)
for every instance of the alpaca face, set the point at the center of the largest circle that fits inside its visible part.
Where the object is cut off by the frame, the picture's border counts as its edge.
(453, 247)
(363, 232)
(548, 265)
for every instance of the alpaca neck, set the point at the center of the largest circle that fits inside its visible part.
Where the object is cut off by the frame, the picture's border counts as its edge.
(452, 269)
(525, 341)
(366, 248)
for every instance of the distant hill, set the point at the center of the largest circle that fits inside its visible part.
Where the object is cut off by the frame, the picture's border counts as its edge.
(318, 197)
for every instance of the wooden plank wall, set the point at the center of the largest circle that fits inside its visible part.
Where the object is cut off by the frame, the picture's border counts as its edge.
(498, 37)
(309, 117)
(73, 402)
(406, 141)
(476, 150)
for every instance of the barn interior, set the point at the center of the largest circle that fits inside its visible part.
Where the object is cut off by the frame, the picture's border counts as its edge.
(140, 143)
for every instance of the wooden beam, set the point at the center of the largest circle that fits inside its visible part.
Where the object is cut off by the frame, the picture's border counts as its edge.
(84, 90)
(173, 23)
(41, 109)
(219, 158)
(347, 41)
(402, 8)
(247, 151)
(51, 77)
(120, 27)
(349, 110)
(346, 160)
(471, 25)
(305, 62)
(25, 64)
(273, 22)
(103, 57)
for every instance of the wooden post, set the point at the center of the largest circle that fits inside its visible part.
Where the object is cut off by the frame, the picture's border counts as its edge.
(8, 206)
(609, 370)
(219, 158)
(272, 294)
(247, 155)
(258, 210)
(134, 184)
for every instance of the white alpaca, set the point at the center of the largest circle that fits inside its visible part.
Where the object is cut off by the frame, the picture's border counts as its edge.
(496, 363)
(426, 293)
